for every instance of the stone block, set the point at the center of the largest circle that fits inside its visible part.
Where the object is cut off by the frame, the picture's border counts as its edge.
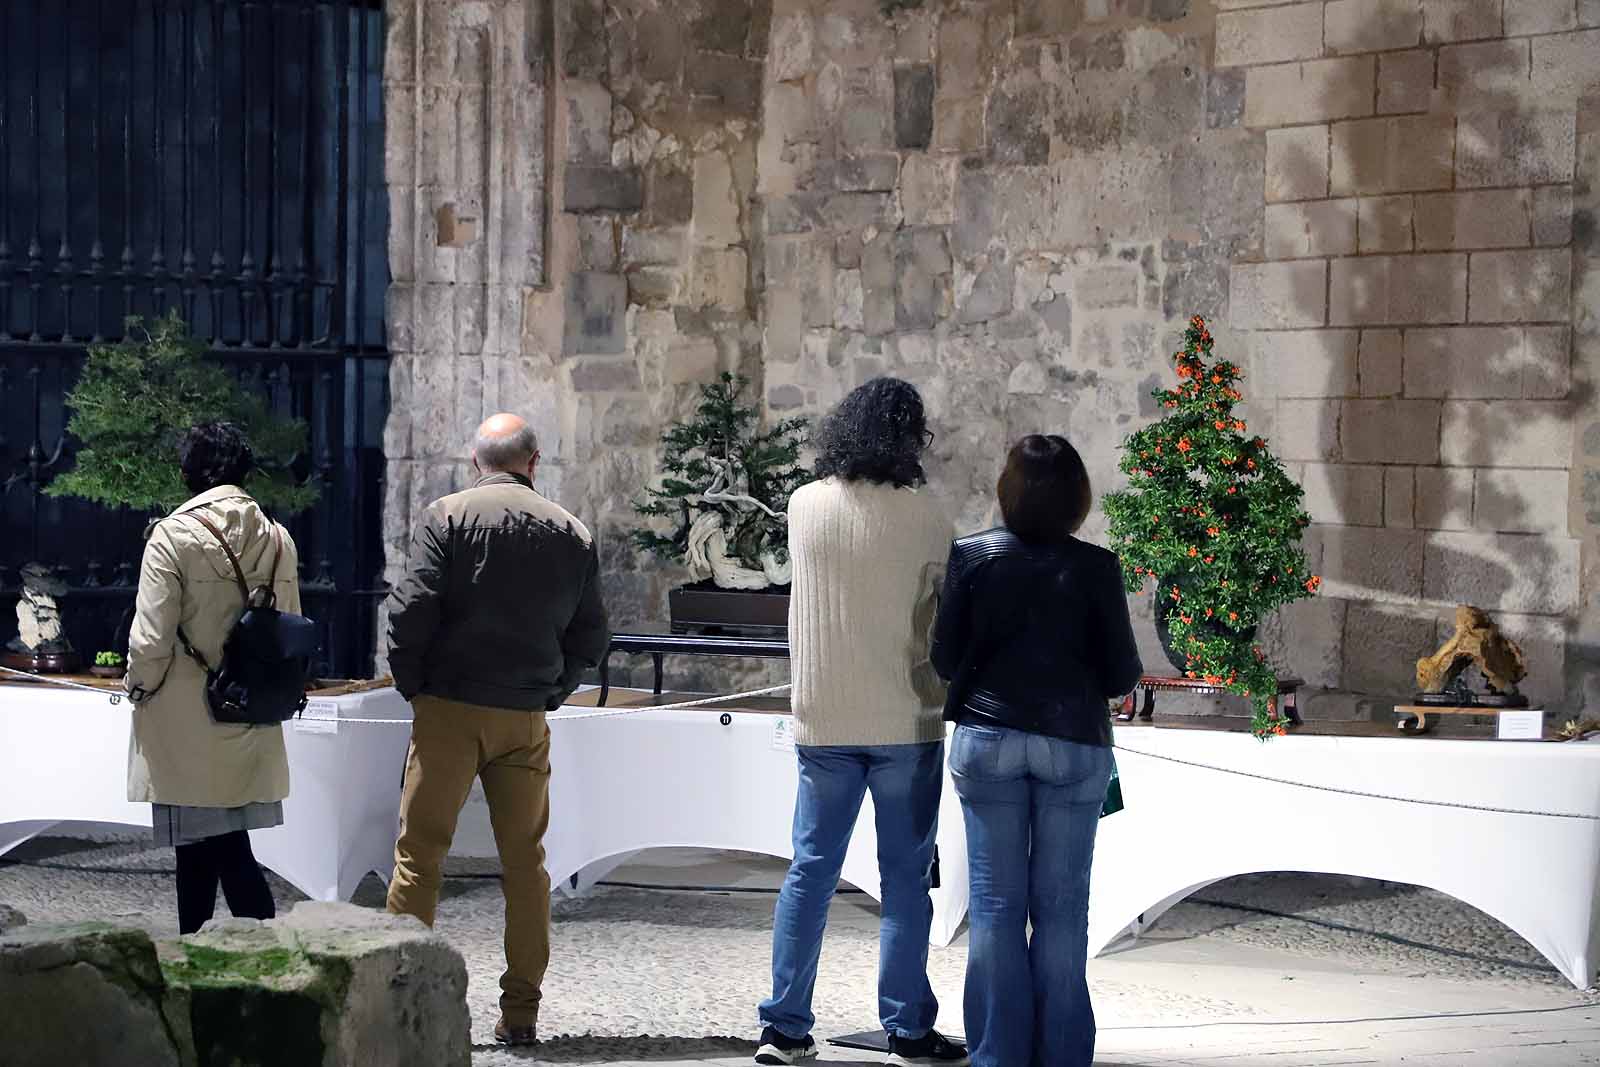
(1503, 572)
(985, 293)
(90, 995)
(1444, 498)
(1278, 296)
(1405, 81)
(1492, 218)
(958, 124)
(1390, 431)
(731, 84)
(1385, 224)
(1399, 497)
(928, 190)
(670, 195)
(597, 243)
(595, 189)
(1484, 76)
(1047, 18)
(723, 26)
(1315, 91)
(1460, 20)
(716, 202)
(962, 53)
(588, 122)
(651, 247)
(1516, 148)
(1408, 153)
(593, 375)
(1526, 17)
(1297, 163)
(866, 115)
(1378, 290)
(1531, 286)
(1506, 433)
(1379, 363)
(1197, 286)
(1487, 362)
(792, 53)
(878, 284)
(1563, 67)
(659, 47)
(1304, 363)
(719, 278)
(913, 105)
(1371, 563)
(856, 213)
(1316, 426)
(585, 44)
(785, 397)
(1105, 286)
(1552, 215)
(1224, 99)
(596, 314)
(1339, 494)
(692, 360)
(1381, 647)
(1518, 501)
(1589, 13)
(1372, 25)
(1310, 228)
(1096, 51)
(1270, 35)
(863, 174)
(1017, 124)
(785, 325)
(922, 268)
(653, 287)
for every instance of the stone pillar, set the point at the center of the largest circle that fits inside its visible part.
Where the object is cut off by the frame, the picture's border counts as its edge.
(1583, 648)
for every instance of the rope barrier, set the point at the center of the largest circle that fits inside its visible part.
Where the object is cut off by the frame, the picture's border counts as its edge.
(111, 695)
(1358, 792)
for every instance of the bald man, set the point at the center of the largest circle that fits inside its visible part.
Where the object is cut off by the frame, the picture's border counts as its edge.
(497, 618)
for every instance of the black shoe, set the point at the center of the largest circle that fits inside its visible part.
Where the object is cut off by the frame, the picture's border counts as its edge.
(779, 1048)
(933, 1047)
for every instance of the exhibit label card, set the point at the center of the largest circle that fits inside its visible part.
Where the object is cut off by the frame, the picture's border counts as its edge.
(320, 717)
(783, 733)
(1520, 726)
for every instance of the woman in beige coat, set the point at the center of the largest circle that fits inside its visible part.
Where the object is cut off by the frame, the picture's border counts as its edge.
(210, 783)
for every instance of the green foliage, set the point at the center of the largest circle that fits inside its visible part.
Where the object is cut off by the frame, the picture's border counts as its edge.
(1212, 517)
(136, 398)
(723, 428)
(107, 659)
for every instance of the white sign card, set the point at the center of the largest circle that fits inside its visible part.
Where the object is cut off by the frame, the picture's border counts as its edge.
(319, 717)
(783, 733)
(1520, 726)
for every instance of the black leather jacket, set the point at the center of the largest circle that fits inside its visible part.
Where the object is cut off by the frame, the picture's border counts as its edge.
(1035, 637)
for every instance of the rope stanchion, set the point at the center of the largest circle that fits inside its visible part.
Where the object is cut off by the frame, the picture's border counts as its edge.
(109, 694)
(1357, 792)
(608, 713)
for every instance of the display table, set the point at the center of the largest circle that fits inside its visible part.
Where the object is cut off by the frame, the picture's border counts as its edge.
(1512, 829)
(659, 646)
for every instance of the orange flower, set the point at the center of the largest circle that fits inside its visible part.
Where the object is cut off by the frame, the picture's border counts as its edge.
(1184, 445)
(1186, 618)
(1313, 583)
(1212, 530)
(1281, 730)
(1176, 596)
(1224, 585)
(1193, 552)
(1238, 425)
(1232, 489)
(1210, 558)
(1250, 463)
(1219, 424)
(1217, 379)
(1208, 613)
(1233, 616)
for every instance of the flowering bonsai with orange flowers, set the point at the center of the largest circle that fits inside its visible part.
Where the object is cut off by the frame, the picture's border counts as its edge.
(1210, 516)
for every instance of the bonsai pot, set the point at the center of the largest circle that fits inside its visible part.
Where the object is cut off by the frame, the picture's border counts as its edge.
(108, 672)
(1208, 627)
(703, 608)
(42, 662)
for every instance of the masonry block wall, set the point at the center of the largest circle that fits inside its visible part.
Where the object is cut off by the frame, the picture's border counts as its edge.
(1387, 207)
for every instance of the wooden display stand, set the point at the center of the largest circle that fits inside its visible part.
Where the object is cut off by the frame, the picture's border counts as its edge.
(1150, 683)
(1418, 719)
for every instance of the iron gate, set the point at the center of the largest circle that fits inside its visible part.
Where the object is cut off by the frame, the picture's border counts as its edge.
(223, 158)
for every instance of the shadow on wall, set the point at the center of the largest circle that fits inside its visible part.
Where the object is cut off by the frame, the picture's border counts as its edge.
(1428, 259)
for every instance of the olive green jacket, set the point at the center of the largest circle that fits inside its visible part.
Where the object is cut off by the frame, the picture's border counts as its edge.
(177, 754)
(500, 605)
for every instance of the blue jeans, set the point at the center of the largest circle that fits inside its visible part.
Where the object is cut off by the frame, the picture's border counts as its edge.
(1031, 805)
(906, 782)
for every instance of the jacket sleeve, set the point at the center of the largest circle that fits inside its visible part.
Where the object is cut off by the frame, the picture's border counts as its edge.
(1119, 651)
(417, 604)
(950, 629)
(157, 610)
(286, 582)
(588, 634)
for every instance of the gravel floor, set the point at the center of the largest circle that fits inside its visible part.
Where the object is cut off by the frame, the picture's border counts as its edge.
(691, 965)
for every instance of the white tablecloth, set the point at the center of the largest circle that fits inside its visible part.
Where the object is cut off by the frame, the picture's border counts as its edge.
(1511, 828)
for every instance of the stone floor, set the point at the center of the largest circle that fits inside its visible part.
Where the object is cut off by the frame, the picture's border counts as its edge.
(1285, 970)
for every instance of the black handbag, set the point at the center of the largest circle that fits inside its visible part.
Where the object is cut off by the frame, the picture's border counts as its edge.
(266, 659)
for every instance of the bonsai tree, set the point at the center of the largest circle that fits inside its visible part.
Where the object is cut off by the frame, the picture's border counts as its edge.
(135, 399)
(724, 488)
(1212, 518)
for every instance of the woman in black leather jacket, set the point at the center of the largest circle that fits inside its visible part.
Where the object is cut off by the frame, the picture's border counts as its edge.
(1033, 635)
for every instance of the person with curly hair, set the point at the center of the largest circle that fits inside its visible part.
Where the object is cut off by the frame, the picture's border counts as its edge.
(868, 546)
(210, 783)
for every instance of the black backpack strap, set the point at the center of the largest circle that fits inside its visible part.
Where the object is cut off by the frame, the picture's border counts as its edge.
(238, 577)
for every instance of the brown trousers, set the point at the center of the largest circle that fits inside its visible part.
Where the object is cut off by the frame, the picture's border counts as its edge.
(452, 743)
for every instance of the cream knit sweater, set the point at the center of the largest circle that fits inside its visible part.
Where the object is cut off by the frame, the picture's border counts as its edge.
(868, 567)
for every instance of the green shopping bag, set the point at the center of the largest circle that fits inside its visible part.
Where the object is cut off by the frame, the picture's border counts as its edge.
(1113, 802)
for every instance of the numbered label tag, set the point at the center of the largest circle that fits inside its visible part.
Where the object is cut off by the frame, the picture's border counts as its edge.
(320, 717)
(783, 733)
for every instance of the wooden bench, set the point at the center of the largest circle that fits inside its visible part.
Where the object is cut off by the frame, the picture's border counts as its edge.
(1150, 683)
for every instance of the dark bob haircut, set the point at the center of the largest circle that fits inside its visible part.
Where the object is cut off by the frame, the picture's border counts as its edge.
(213, 454)
(876, 434)
(1044, 490)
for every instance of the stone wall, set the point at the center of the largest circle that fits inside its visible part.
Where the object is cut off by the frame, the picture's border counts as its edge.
(1386, 206)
